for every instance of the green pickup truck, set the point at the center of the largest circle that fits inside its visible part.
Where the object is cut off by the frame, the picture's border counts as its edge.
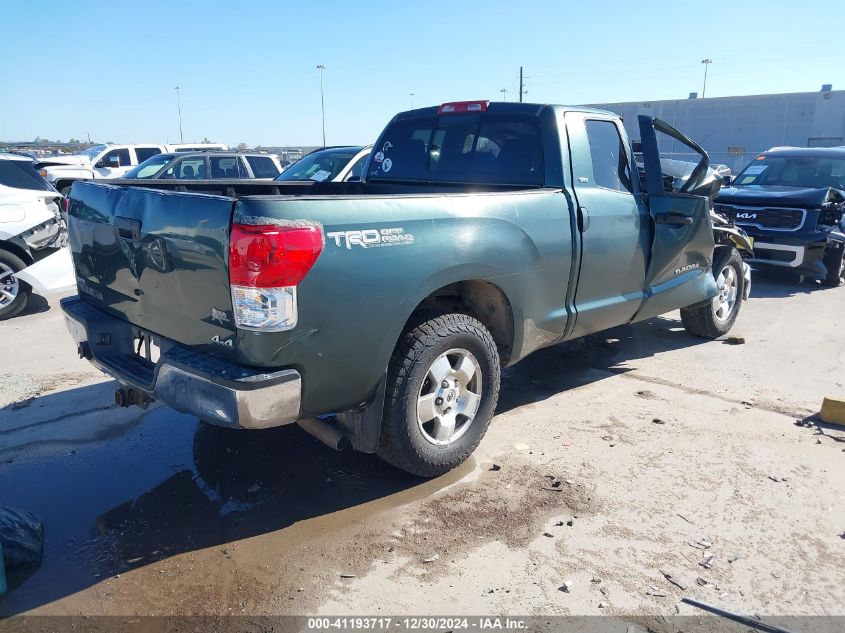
(379, 313)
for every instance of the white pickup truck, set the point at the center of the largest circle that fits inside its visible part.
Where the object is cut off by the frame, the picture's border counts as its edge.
(106, 161)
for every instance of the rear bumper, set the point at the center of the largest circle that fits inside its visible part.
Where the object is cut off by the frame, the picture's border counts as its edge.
(208, 387)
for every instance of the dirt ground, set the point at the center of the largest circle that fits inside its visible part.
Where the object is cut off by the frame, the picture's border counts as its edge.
(612, 463)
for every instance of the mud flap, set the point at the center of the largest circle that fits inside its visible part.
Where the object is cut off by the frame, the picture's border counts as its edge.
(363, 425)
(54, 273)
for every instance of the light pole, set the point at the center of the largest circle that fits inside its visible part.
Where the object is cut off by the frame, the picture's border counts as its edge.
(706, 63)
(412, 101)
(504, 92)
(321, 68)
(179, 108)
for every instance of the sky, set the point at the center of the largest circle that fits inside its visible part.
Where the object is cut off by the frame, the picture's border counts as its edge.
(247, 70)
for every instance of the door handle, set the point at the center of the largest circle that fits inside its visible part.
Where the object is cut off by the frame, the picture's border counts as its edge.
(583, 219)
(677, 219)
(127, 228)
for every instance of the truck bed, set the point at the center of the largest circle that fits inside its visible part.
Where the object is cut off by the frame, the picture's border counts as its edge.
(157, 257)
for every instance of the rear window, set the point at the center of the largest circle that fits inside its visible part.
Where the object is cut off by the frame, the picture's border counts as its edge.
(461, 148)
(262, 166)
(20, 174)
(143, 153)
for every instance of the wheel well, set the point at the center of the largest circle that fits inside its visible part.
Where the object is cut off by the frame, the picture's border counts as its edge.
(481, 300)
(17, 250)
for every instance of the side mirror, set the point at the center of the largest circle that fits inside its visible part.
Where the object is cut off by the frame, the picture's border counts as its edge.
(100, 164)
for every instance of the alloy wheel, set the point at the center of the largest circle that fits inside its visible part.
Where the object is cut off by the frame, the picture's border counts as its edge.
(449, 397)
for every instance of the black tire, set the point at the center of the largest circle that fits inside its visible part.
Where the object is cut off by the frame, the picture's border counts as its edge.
(834, 261)
(14, 262)
(703, 320)
(403, 443)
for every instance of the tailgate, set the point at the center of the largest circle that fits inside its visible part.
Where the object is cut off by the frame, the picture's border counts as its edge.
(157, 259)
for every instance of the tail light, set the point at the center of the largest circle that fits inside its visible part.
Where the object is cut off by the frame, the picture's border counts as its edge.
(266, 264)
(463, 107)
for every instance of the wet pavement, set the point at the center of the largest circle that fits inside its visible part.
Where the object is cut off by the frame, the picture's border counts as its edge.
(172, 485)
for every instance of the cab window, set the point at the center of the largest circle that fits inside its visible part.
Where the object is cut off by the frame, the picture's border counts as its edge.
(611, 169)
(143, 153)
(121, 154)
(225, 167)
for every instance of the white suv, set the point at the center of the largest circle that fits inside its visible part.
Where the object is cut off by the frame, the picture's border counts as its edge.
(106, 161)
(32, 235)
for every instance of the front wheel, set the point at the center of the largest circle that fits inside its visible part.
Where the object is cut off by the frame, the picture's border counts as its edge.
(14, 293)
(717, 316)
(834, 261)
(442, 389)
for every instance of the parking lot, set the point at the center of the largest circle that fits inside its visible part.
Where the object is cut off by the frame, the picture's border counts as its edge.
(612, 462)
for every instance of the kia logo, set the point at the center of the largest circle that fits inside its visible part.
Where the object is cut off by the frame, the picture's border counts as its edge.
(746, 216)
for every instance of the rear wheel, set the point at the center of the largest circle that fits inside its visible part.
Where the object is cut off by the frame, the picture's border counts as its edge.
(717, 316)
(442, 389)
(14, 293)
(834, 261)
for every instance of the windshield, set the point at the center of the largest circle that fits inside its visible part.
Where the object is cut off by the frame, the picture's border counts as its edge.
(815, 172)
(149, 167)
(501, 149)
(324, 164)
(91, 152)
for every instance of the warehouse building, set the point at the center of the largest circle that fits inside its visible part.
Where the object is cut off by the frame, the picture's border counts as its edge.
(734, 130)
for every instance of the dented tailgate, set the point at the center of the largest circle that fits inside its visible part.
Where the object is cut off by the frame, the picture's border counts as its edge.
(156, 258)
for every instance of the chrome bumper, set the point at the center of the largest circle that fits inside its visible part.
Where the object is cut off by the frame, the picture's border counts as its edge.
(226, 395)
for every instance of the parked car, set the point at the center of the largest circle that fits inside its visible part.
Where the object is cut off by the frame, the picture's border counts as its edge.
(207, 165)
(479, 233)
(330, 164)
(105, 161)
(32, 233)
(791, 201)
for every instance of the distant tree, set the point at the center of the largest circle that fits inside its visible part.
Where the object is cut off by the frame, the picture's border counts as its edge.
(241, 146)
(37, 139)
(73, 141)
(205, 139)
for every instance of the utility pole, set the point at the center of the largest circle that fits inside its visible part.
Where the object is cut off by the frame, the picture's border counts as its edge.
(179, 107)
(321, 68)
(521, 86)
(706, 63)
(412, 101)
(504, 92)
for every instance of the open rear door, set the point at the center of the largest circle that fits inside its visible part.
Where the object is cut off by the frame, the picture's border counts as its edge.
(678, 272)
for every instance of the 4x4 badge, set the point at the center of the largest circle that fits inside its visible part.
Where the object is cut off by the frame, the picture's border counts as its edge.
(228, 342)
